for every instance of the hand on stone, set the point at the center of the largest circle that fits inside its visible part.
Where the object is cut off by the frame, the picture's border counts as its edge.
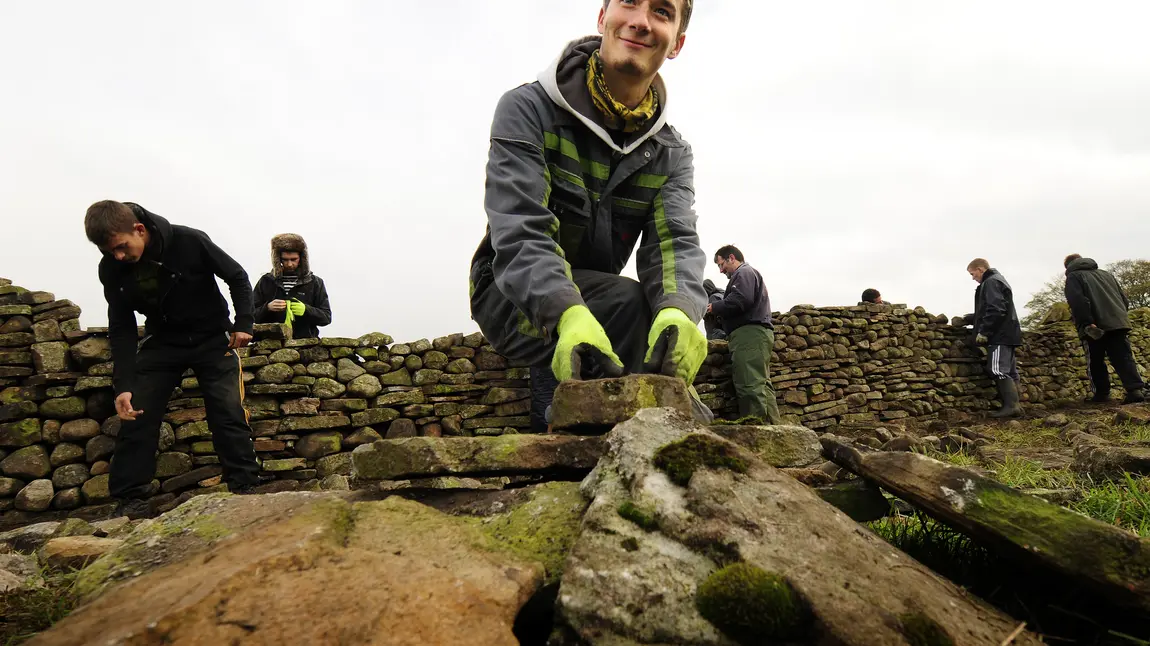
(278, 305)
(124, 407)
(239, 340)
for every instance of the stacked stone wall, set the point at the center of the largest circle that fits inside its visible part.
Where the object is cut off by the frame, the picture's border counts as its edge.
(313, 401)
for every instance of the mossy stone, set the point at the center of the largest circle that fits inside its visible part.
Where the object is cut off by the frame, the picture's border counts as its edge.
(753, 606)
(679, 460)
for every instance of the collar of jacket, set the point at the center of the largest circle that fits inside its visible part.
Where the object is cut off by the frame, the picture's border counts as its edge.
(549, 79)
(303, 278)
(157, 225)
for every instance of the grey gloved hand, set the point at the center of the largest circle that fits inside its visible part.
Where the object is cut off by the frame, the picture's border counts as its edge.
(1094, 332)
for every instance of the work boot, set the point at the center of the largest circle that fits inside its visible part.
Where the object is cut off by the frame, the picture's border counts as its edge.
(133, 508)
(1097, 399)
(1008, 392)
(1135, 396)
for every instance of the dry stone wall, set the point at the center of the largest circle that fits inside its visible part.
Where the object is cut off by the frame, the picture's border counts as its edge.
(312, 401)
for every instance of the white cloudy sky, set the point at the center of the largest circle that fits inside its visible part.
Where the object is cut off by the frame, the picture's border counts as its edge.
(841, 144)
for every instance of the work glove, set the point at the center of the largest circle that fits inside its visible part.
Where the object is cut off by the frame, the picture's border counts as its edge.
(1094, 332)
(297, 308)
(583, 350)
(288, 316)
(675, 345)
(981, 339)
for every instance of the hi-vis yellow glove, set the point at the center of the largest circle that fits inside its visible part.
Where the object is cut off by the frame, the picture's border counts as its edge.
(675, 346)
(288, 316)
(297, 308)
(583, 350)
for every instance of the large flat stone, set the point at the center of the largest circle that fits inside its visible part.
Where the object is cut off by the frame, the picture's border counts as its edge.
(606, 402)
(778, 446)
(431, 456)
(302, 569)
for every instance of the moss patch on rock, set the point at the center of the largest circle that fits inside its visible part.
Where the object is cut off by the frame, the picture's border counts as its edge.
(542, 529)
(921, 630)
(751, 605)
(749, 420)
(679, 460)
(642, 517)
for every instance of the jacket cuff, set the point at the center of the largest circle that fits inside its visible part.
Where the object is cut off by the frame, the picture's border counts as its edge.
(688, 305)
(245, 324)
(553, 306)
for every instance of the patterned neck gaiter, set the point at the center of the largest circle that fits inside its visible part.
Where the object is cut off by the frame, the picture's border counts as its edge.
(617, 116)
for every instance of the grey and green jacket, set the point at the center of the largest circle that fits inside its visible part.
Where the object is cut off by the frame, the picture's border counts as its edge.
(563, 192)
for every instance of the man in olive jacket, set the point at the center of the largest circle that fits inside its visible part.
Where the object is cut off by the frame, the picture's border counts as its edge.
(996, 326)
(1099, 308)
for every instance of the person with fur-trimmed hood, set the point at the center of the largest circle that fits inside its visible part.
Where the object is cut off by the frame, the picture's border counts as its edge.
(290, 293)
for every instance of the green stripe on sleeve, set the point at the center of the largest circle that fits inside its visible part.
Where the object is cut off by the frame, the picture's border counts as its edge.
(666, 247)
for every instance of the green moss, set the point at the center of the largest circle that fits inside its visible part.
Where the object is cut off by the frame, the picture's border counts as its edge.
(751, 605)
(749, 420)
(646, 395)
(679, 460)
(641, 517)
(543, 529)
(1057, 533)
(921, 630)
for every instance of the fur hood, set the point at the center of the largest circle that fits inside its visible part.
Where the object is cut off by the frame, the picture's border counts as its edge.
(290, 242)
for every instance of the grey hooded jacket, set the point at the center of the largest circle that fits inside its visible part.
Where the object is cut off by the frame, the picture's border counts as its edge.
(1095, 297)
(563, 192)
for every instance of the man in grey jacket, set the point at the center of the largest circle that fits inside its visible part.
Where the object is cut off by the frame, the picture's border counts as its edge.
(583, 167)
(1099, 308)
(746, 313)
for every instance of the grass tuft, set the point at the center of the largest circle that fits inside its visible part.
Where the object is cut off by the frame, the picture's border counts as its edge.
(24, 613)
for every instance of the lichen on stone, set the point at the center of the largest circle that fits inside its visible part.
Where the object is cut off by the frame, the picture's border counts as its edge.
(752, 606)
(921, 630)
(641, 517)
(749, 420)
(542, 529)
(679, 460)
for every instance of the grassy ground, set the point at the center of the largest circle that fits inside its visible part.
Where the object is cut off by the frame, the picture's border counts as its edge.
(27, 612)
(1033, 455)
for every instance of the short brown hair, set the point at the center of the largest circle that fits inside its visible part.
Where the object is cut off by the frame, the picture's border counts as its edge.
(1069, 259)
(684, 15)
(106, 218)
(978, 263)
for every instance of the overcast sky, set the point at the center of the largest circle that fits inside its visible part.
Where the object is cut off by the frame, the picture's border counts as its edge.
(840, 144)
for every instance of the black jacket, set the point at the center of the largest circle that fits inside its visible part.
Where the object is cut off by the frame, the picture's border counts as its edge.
(174, 286)
(310, 291)
(994, 313)
(745, 301)
(1095, 297)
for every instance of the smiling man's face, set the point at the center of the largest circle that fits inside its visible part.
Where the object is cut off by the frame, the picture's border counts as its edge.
(638, 35)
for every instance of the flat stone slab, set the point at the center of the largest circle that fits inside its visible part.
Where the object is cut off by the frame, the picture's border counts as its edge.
(778, 446)
(415, 457)
(606, 402)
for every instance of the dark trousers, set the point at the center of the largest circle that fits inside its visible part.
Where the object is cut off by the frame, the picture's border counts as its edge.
(617, 302)
(1001, 362)
(1115, 345)
(160, 365)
